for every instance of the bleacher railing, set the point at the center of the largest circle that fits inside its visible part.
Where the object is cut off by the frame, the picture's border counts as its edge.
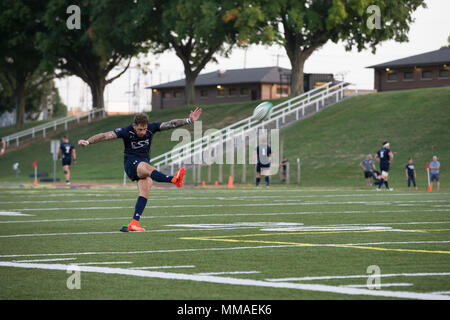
(44, 128)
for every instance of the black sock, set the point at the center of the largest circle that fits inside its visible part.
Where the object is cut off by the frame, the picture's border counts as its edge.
(381, 183)
(386, 184)
(139, 207)
(267, 180)
(258, 180)
(160, 177)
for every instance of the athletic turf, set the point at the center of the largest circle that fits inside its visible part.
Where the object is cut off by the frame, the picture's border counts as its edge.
(242, 243)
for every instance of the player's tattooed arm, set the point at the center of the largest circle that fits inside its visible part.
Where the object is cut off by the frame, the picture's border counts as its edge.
(173, 124)
(98, 137)
(193, 116)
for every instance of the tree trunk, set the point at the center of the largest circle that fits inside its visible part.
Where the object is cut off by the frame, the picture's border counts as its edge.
(189, 90)
(20, 97)
(297, 85)
(97, 90)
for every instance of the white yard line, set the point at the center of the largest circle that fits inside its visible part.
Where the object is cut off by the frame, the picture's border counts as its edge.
(101, 262)
(225, 272)
(232, 281)
(444, 274)
(45, 260)
(162, 267)
(14, 214)
(141, 252)
(381, 285)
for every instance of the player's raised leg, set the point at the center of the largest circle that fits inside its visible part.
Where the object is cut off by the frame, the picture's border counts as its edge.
(145, 170)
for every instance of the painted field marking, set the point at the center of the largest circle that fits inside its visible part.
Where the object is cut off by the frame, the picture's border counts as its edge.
(225, 272)
(162, 267)
(140, 252)
(14, 214)
(420, 274)
(45, 260)
(229, 239)
(233, 281)
(400, 284)
(102, 262)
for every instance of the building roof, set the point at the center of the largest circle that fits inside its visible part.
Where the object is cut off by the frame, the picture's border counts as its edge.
(441, 56)
(235, 76)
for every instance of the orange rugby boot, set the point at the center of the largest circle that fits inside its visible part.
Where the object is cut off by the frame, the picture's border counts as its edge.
(134, 226)
(178, 178)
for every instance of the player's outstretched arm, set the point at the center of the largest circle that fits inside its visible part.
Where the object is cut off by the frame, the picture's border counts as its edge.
(97, 138)
(193, 116)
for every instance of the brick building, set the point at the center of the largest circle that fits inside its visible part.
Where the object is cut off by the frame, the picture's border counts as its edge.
(233, 86)
(426, 70)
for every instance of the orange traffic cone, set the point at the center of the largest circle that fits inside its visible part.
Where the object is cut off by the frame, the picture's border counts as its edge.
(203, 184)
(216, 184)
(35, 182)
(230, 182)
(429, 188)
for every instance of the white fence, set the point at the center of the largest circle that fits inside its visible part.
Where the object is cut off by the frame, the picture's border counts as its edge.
(296, 106)
(44, 128)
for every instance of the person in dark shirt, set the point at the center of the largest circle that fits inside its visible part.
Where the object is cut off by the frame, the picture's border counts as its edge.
(67, 152)
(410, 172)
(385, 157)
(137, 140)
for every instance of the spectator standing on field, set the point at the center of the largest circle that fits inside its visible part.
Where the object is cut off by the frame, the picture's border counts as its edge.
(368, 166)
(434, 172)
(410, 172)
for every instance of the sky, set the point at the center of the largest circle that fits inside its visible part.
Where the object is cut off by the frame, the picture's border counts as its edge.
(428, 32)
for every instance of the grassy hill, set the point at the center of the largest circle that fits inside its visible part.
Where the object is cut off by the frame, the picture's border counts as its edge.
(330, 144)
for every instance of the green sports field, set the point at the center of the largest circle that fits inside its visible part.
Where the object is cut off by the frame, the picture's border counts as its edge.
(244, 243)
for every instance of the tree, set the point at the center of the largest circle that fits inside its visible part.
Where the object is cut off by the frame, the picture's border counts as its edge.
(20, 60)
(197, 30)
(91, 39)
(448, 43)
(303, 26)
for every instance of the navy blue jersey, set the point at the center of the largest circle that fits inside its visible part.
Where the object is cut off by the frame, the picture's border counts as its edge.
(383, 154)
(135, 146)
(410, 168)
(66, 150)
(263, 153)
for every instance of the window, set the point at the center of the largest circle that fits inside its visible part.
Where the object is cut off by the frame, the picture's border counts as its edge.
(408, 76)
(282, 90)
(166, 94)
(443, 74)
(427, 75)
(244, 92)
(232, 91)
(177, 94)
(392, 76)
(220, 91)
(203, 93)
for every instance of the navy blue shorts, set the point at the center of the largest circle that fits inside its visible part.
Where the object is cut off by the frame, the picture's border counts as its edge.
(130, 166)
(260, 166)
(66, 162)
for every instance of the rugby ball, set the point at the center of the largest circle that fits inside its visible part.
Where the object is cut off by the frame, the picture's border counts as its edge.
(262, 111)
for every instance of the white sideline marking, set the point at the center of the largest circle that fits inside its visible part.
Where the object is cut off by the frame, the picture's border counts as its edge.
(113, 262)
(226, 272)
(361, 276)
(440, 292)
(399, 284)
(140, 252)
(15, 213)
(228, 205)
(232, 281)
(45, 260)
(162, 267)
